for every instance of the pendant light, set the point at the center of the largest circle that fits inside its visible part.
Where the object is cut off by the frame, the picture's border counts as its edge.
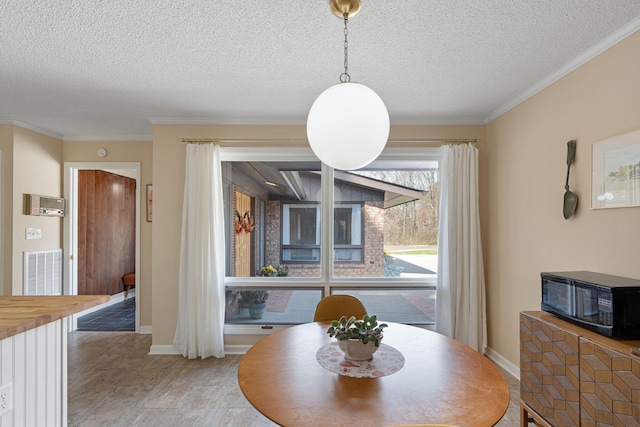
(348, 124)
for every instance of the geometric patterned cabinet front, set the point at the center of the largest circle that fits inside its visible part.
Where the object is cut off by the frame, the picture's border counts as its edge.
(609, 387)
(549, 371)
(573, 377)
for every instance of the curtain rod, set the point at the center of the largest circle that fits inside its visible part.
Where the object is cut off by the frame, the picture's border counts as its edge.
(265, 141)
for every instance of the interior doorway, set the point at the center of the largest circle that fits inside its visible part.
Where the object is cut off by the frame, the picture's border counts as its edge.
(77, 228)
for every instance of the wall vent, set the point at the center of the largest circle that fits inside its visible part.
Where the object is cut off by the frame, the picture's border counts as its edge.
(43, 273)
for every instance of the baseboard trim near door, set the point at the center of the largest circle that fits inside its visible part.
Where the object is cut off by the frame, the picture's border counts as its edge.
(145, 330)
(113, 299)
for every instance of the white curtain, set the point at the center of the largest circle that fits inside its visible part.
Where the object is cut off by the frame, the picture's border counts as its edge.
(460, 295)
(201, 277)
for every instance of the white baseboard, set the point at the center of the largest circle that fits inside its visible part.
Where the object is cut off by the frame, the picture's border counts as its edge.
(145, 330)
(255, 329)
(503, 362)
(113, 299)
(236, 349)
(163, 349)
(171, 350)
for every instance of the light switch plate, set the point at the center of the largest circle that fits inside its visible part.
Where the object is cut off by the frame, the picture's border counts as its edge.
(33, 233)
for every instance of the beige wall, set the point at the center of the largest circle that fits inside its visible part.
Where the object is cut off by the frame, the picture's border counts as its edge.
(168, 177)
(126, 151)
(525, 168)
(6, 218)
(37, 169)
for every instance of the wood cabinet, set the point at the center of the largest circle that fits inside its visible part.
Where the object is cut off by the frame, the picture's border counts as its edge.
(570, 376)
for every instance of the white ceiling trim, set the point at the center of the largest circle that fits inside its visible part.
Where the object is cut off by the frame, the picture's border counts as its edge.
(108, 138)
(223, 121)
(293, 122)
(31, 128)
(75, 137)
(578, 61)
(438, 122)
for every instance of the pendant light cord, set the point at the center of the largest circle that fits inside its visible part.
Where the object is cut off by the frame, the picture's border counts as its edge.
(345, 77)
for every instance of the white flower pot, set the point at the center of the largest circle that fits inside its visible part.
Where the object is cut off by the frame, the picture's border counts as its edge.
(356, 351)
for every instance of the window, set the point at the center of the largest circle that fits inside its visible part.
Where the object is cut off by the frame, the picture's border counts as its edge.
(347, 233)
(300, 233)
(377, 226)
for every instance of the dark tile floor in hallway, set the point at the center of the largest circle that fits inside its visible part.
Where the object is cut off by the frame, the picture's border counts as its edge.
(117, 317)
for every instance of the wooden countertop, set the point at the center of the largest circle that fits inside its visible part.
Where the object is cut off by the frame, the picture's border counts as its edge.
(21, 313)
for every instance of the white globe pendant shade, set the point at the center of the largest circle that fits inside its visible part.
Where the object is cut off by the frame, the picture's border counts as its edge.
(348, 126)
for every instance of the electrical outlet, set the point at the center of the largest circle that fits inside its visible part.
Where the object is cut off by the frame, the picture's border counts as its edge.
(33, 233)
(6, 399)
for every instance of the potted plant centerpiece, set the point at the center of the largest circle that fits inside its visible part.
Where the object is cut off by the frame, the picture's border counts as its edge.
(358, 339)
(257, 300)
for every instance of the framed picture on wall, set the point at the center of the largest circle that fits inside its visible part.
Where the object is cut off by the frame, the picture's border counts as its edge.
(149, 202)
(615, 172)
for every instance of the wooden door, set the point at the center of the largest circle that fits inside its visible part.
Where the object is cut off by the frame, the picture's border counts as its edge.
(106, 231)
(243, 240)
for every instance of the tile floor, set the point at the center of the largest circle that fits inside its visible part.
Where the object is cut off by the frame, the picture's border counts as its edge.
(117, 317)
(114, 382)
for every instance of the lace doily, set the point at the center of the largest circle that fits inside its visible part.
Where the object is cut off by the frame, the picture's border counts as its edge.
(385, 361)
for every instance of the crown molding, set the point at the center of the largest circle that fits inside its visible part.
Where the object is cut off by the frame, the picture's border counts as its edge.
(578, 61)
(225, 121)
(31, 128)
(108, 138)
(75, 137)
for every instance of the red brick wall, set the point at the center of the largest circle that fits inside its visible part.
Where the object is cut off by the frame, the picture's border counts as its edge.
(272, 234)
(373, 265)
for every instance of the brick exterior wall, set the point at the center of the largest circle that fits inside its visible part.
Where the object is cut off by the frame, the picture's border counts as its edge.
(373, 263)
(272, 234)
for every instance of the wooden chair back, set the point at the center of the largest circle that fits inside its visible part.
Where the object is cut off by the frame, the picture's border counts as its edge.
(333, 307)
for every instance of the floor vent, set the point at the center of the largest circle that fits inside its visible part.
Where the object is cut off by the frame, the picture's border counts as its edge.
(43, 273)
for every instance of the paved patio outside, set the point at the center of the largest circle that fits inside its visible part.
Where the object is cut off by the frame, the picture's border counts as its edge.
(401, 306)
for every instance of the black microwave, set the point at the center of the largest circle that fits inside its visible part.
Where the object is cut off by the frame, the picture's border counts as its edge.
(608, 305)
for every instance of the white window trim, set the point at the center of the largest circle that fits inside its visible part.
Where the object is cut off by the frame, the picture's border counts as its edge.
(356, 224)
(286, 235)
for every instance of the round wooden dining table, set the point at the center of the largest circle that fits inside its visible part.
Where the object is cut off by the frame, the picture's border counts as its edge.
(442, 381)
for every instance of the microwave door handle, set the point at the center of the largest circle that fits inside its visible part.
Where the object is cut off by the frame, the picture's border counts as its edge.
(573, 290)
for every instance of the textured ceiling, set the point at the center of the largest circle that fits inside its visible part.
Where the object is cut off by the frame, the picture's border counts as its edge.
(108, 69)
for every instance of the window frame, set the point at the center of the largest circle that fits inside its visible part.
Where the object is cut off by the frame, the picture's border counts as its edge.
(360, 228)
(326, 281)
(287, 207)
(359, 224)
